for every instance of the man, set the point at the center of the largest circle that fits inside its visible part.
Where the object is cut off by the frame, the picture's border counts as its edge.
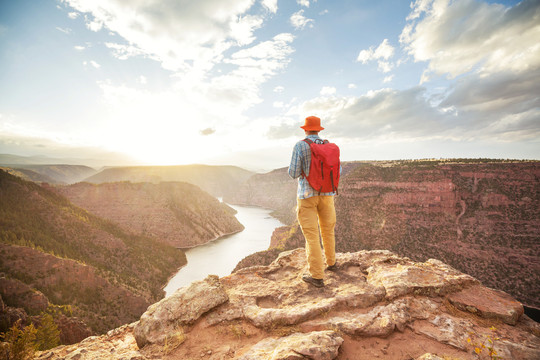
(314, 209)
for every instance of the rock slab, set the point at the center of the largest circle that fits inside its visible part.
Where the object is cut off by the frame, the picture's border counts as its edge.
(165, 318)
(488, 303)
(317, 345)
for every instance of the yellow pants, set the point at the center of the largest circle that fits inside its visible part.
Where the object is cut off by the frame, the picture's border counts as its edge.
(312, 213)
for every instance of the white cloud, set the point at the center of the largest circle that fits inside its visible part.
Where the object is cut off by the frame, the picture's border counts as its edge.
(492, 53)
(352, 86)
(469, 113)
(73, 15)
(255, 65)
(388, 79)
(64, 30)
(94, 24)
(92, 63)
(143, 80)
(124, 52)
(279, 89)
(381, 54)
(185, 35)
(456, 37)
(385, 66)
(328, 90)
(278, 104)
(271, 5)
(383, 51)
(303, 3)
(79, 47)
(299, 21)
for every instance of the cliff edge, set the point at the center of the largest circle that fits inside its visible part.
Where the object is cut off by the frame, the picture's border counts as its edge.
(376, 305)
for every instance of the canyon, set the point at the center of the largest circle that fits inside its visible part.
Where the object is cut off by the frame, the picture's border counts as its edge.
(481, 217)
(403, 227)
(375, 305)
(105, 254)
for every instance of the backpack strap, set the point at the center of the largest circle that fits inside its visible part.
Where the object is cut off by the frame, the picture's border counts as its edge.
(309, 141)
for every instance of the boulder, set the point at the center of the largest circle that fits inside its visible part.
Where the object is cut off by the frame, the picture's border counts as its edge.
(165, 318)
(488, 303)
(317, 345)
(401, 276)
(72, 330)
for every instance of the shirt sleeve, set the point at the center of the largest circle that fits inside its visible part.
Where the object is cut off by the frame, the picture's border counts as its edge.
(295, 167)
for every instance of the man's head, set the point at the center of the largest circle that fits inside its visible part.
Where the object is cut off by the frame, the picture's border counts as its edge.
(312, 125)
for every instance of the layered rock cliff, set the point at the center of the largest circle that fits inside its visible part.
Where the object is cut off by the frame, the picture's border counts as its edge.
(179, 214)
(482, 217)
(375, 305)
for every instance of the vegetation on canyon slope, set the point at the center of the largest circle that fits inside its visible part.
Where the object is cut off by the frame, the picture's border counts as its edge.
(38, 224)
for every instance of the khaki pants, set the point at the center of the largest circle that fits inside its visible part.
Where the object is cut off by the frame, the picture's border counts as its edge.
(312, 213)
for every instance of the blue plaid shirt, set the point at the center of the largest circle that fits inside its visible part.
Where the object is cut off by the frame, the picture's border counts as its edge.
(301, 160)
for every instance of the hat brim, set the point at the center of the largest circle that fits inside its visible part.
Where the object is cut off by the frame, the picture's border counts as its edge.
(312, 128)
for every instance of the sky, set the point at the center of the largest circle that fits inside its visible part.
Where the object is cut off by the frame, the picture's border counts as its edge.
(167, 82)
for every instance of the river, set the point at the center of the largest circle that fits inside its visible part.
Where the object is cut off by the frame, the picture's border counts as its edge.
(221, 256)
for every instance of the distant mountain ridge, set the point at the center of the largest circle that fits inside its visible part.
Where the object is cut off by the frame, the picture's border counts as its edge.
(216, 180)
(56, 174)
(179, 214)
(480, 216)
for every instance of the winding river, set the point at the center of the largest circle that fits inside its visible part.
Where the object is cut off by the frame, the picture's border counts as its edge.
(220, 257)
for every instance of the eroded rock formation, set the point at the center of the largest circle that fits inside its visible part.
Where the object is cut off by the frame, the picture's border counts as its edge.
(376, 305)
(481, 217)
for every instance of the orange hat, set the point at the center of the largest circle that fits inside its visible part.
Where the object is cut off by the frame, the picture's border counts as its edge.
(313, 123)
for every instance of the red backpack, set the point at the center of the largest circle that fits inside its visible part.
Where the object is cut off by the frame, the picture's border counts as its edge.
(325, 167)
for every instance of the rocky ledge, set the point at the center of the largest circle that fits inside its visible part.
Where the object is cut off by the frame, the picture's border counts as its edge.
(376, 305)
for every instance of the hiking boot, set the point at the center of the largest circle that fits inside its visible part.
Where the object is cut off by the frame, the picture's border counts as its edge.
(315, 282)
(332, 267)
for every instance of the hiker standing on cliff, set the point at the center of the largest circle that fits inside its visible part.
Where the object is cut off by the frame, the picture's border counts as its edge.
(315, 200)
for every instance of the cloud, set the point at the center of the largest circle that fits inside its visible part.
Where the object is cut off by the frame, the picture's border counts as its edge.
(79, 47)
(92, 63)
(492, 54)
(352, 86)
(414, 114)
(328, 90)
(207, 131)
(303, 3)
(279, 89)
(388, 79)
(183, 35)
(73, 15)
(255, 65)
(64, 30)
(271, 5)
(456, 37)
(299, 21)
(124, 52)
(381, 54)
(383, 51)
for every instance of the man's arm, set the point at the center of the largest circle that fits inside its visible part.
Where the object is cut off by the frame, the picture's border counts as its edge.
(295, 167)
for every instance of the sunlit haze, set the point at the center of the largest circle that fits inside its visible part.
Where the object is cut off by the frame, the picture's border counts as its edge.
(166, 82)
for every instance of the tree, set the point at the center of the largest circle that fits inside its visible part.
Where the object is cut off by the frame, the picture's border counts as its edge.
(48, 335)
(20, 342)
